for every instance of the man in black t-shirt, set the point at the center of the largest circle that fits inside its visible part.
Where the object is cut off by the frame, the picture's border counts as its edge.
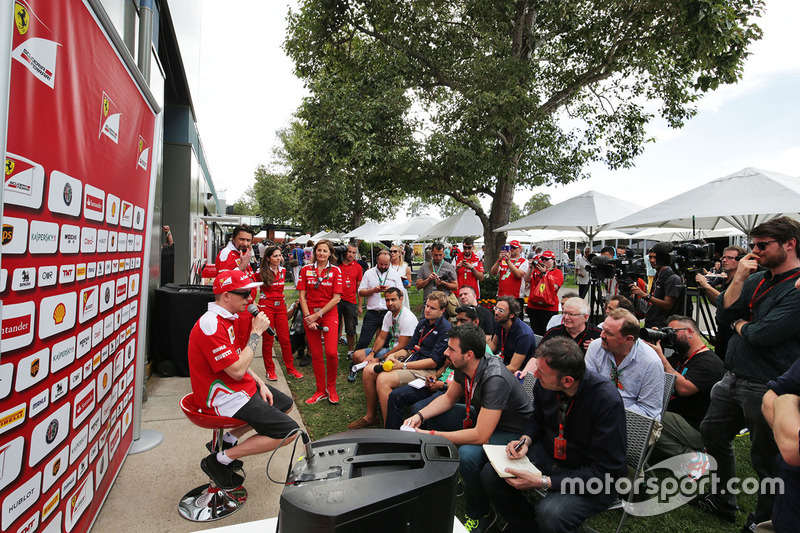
(496, 411)
(697, 369)
(667, 288)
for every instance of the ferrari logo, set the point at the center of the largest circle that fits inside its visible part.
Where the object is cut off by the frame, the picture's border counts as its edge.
(10, 167)
(140, 145)
(21, 18)
(105, 106)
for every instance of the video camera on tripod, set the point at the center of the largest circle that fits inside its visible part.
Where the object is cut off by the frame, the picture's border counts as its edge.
(626, 270)
(690, 258)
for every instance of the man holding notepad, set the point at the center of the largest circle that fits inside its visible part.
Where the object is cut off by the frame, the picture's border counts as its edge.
(495, 411)
(576, 434)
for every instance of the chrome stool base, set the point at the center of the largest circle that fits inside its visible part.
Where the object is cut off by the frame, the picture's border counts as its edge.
(207, 503)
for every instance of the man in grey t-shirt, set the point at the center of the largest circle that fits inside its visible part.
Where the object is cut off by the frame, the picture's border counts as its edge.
(437, 275)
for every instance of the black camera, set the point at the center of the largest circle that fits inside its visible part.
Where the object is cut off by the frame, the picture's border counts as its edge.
(340, 251)
(667, 336)
(627, 270)
(691, 258)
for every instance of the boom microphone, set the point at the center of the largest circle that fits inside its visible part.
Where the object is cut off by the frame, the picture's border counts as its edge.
(253, 310)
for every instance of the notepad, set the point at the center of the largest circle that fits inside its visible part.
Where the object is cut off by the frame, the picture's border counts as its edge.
(500, 461)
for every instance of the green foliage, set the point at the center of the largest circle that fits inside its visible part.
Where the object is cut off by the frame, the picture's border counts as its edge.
(247, 204)
(468, 98)
(537, 202)
(275, 196)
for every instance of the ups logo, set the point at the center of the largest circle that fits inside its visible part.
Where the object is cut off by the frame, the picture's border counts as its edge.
(34, 368)
(56, 466)
(8, 232)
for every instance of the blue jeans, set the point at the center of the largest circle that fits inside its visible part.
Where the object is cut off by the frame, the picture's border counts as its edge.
(556, 513)
(370, 325)
(736, 403)
(399, 399)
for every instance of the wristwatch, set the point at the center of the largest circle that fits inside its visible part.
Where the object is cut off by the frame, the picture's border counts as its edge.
(735, 323)
(648, 297)
(545, 481)
(405, 366)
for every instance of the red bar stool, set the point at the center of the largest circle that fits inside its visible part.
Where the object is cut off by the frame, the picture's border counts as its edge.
(208, 502)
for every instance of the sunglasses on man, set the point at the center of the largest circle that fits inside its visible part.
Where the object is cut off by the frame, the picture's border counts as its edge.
(761, 245)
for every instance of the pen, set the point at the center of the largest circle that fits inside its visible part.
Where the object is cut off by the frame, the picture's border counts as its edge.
(518, 447)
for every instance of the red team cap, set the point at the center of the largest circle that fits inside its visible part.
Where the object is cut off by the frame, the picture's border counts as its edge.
(514, 244)
(233, 280)
(548, 254)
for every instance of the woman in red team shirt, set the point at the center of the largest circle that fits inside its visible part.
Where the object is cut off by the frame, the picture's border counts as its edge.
(273, 304)
(320, 287)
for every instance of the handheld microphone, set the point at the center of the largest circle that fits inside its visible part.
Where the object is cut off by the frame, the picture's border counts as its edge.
(387, 366)
(309, 452)
(253, 310)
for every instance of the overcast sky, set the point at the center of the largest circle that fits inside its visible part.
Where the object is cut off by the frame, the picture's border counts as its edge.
(248, 92)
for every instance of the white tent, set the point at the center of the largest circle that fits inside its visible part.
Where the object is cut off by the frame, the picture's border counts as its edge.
(684, 234)
(741, 200)
(409, 230)
(588, 213)
(302, 239)
(370, 232)
(463, 224)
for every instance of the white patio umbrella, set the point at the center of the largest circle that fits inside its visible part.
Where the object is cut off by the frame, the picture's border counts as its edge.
(411, 229)
(370, 232)
(588, 213)
(684, 234)
(741, 200)
(463, 224)
(302, 239)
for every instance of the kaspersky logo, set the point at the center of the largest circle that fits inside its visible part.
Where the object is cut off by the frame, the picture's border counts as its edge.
(21, 18)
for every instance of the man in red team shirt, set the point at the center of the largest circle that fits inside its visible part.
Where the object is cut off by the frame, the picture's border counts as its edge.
(237, 255)
(224, 384)
(511, 267)
(350, 304)
(469, 267)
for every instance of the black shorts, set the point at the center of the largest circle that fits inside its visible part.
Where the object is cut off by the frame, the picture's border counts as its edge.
(268, 420)
(349, 315)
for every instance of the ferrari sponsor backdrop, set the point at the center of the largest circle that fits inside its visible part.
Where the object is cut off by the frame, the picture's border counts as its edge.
(76, 193)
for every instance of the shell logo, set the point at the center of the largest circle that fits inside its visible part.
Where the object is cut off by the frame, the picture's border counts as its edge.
(59, 313)
(113, 209)
(105, 380)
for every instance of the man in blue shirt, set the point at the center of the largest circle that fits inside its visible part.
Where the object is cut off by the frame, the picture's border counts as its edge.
(513, 338)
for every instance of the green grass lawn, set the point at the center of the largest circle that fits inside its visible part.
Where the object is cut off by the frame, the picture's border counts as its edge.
(324, 419)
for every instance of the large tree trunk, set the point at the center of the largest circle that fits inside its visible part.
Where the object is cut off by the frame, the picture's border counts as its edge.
(499, 216)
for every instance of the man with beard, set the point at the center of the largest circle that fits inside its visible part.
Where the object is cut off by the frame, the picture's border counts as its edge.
(513, 338)
(469, 267)
(496, 410)
(373, 286)
(350, 304)
(238, 255)
(666, 291)
(761, 308)
(436, 274)
(697, 370)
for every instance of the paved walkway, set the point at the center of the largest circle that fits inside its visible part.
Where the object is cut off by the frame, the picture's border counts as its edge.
(145, 495)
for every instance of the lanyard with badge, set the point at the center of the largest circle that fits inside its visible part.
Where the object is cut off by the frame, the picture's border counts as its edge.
(560, 443)
(393, 330)
(756, 297)
(469, 388)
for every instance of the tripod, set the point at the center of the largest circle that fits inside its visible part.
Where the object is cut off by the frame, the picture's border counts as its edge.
(697, 298)
(596, 301)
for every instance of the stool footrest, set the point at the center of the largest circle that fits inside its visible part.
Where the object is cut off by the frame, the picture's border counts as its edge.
(207, 503)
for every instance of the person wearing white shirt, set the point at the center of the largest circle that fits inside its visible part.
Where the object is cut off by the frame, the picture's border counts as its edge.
(373, 286)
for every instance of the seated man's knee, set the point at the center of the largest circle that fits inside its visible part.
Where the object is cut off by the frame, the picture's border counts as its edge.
(359, 356)
(471, 457)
